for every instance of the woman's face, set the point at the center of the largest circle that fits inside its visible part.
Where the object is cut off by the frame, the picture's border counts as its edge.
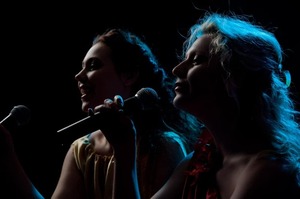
(98, 78)
(197, 84)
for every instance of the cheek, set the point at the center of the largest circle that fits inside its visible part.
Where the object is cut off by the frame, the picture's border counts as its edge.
(105, 79)
(202, 81)
(100, 87)
(107, 85)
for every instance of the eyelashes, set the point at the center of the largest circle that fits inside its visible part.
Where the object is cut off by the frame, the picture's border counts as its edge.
(93, 64)
(199, 59)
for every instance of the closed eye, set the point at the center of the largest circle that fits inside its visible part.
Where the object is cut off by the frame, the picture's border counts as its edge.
(199, 59)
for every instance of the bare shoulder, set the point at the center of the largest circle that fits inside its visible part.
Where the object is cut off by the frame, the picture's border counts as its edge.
(94, 136)
(266, 178)
(100, 143)
(70, 183)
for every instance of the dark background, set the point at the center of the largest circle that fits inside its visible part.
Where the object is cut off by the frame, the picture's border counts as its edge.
(43, 44)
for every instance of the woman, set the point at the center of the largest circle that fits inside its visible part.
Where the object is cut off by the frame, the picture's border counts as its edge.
(231, 79)
(120, 63)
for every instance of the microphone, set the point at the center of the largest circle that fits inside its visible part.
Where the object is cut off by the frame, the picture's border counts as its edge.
(18, 116)
(145, 99)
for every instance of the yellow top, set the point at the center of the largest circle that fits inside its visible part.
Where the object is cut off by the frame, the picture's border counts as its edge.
(163, 158)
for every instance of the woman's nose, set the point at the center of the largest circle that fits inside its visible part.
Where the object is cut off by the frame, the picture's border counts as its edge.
(80, 76)
(179, 70)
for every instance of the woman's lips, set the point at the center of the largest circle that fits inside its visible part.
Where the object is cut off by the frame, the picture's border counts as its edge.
(84, 91)
(180, 87)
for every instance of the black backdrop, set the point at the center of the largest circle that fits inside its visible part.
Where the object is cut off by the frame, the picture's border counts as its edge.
(43, 44)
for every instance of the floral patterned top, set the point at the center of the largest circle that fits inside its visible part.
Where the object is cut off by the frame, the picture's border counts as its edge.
(200, 182)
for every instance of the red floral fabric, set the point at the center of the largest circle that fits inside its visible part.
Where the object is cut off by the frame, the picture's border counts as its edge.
(201, 175)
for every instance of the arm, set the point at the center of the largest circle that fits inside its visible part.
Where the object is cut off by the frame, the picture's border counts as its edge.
(126, 182)
(124, 146)
(16, 182)
(175, 184)
(169, 151)
(71, 182)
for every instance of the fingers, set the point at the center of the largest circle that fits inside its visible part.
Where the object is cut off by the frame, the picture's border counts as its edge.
(117, 104)
(119, 101)
(108, 103)
(90, 112)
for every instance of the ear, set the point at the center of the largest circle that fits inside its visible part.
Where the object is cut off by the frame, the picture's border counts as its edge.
(129, 78)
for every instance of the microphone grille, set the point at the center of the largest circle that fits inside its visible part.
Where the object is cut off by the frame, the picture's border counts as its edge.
(21, 113)
(149, 97)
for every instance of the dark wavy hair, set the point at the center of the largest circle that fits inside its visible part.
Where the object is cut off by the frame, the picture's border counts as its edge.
(130, 54)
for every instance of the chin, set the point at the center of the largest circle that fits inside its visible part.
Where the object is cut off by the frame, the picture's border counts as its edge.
(183, 103)
(178, 102)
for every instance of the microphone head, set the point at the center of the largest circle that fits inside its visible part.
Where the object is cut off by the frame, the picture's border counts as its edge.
(148, 97)
(21, 114)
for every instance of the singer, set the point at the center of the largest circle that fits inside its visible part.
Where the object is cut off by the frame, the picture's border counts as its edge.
(231, 78)
(120, 63)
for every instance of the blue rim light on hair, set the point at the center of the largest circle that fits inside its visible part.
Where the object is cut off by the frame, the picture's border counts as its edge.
(288, 78)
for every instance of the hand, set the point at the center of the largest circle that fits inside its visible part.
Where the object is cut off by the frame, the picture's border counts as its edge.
(117, 127)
